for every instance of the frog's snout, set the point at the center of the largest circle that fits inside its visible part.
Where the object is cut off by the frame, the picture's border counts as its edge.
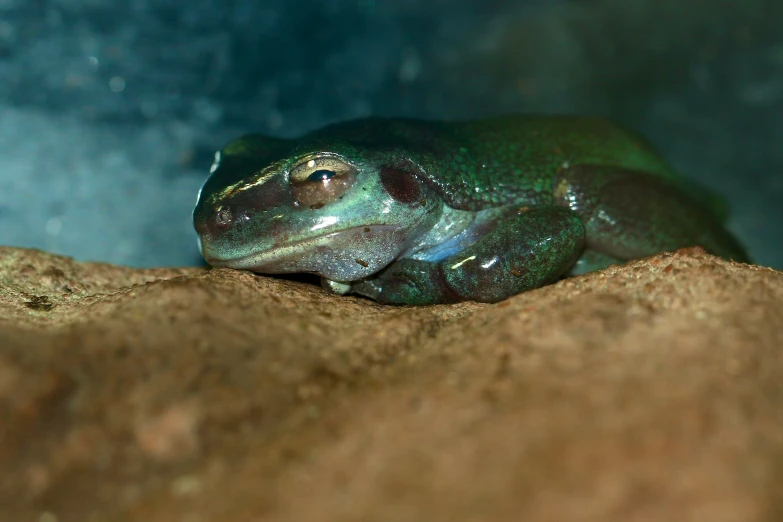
(211, 221)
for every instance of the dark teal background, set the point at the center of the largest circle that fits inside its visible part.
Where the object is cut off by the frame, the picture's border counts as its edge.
(110, 109)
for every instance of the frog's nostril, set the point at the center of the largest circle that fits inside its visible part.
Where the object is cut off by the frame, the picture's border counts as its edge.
(210, 221)
(224, 216)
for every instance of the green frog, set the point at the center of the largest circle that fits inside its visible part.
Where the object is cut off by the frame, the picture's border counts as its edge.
(416, 212)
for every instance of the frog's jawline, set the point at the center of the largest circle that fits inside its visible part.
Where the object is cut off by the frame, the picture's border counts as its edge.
(280, 254)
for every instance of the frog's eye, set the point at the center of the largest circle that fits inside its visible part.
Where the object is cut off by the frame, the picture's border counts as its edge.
(319, 181)
(321, 175)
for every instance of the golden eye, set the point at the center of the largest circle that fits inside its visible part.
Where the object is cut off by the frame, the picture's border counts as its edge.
(318, 181)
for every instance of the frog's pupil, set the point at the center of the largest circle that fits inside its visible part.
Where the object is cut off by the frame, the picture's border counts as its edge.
(321, 175)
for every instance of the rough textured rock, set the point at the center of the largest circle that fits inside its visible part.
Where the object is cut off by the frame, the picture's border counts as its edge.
(647, 392)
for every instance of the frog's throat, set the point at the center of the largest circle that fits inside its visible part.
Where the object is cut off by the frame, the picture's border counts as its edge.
(346, 246)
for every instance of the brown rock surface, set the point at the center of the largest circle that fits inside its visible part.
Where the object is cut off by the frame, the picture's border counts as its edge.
(647, 392)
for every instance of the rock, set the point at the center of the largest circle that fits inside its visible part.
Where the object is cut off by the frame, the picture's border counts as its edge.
(645, 392)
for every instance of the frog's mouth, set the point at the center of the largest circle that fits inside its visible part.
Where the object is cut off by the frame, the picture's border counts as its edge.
(344, 255)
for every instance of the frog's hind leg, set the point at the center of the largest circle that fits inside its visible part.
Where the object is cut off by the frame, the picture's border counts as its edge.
(629, 214)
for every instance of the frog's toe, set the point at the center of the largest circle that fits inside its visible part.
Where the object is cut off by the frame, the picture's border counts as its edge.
(335, 287)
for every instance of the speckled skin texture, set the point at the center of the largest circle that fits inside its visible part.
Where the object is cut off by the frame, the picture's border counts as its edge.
(415, 212)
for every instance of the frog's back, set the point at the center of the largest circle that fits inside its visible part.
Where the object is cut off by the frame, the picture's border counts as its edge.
(543, 144)
(511, 159)
(518, 157)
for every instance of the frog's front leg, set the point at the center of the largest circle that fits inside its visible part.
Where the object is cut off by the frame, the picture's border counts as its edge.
(526, 250)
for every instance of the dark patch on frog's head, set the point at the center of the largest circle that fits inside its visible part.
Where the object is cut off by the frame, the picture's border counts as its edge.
(401, 185)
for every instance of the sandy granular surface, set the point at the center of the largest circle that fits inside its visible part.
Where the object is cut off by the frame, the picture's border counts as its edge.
(647, 392)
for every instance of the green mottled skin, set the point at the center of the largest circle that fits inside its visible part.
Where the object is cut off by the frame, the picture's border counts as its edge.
(442, 212)
(497, 161)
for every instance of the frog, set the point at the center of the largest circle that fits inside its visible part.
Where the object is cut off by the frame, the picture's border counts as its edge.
(409, 211)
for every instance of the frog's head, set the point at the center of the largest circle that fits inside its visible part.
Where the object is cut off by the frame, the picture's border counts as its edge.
(326, 207)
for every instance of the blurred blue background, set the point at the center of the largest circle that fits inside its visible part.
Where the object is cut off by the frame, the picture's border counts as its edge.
(110, 110)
